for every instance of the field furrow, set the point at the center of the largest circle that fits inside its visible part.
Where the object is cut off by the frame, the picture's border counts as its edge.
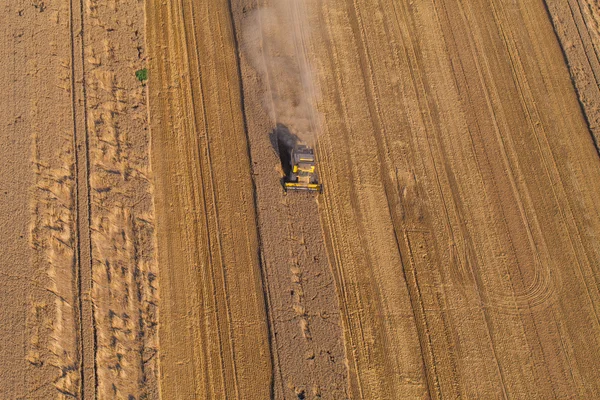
(86, 339)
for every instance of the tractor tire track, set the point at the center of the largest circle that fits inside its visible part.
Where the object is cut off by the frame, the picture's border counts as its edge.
(83, 259)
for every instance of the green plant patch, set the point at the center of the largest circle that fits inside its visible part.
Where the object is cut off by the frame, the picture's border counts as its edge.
(142, 75)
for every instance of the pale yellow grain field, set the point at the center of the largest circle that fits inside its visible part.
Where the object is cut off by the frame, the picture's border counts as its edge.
(148, 250)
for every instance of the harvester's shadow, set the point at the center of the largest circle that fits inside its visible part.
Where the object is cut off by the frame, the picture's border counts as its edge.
(283, 142)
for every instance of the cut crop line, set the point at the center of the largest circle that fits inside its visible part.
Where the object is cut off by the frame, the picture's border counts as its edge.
(159, 22)
(427, 121)
(337, 270)
(397, 224)
(424, 332)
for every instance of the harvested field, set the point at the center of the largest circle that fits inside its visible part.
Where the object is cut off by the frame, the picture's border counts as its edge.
(150, 250)
(77, 149)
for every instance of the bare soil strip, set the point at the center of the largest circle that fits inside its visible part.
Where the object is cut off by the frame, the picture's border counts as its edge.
(213, 330)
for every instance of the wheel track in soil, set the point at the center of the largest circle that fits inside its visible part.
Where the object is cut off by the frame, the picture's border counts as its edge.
(83, 244)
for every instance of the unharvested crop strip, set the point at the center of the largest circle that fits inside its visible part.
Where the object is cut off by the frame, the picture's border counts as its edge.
(550, 167)
(199, 117)
(518, 303)
(338, 243)
(408, 267)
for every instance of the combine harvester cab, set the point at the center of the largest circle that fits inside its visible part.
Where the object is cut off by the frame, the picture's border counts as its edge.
(302, 175)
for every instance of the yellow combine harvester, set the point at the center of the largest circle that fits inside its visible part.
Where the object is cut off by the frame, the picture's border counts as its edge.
(302, 174)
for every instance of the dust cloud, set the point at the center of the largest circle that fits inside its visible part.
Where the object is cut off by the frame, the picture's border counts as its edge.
(273, 41)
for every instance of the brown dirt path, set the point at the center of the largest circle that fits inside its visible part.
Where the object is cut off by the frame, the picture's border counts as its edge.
(213, 331)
